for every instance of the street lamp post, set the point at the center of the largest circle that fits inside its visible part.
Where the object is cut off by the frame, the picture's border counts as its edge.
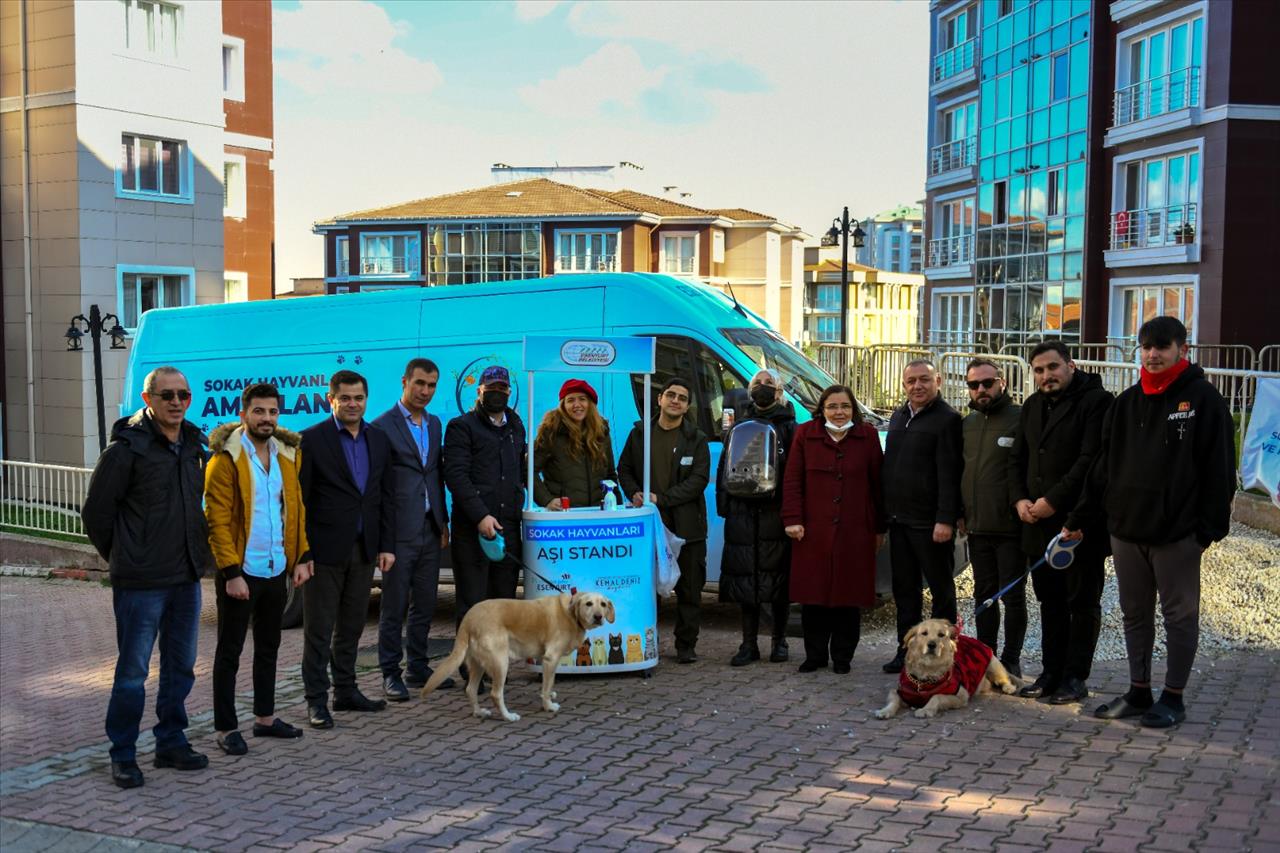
(94, 325)
(839, 231)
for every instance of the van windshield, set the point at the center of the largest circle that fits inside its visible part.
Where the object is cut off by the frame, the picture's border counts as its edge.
(800, 376)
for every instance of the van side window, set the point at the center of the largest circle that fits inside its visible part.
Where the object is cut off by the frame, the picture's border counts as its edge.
(691, 360)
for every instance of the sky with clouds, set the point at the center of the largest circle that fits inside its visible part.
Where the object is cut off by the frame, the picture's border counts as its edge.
(791, 108)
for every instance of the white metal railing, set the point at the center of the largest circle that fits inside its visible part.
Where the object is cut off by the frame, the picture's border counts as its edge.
(956, 154)
(586, 263)
(1149, 98)
(949, 251)
(42, 499)
(678, 266)
(955, 61)
(1156, 226)
(387, 266)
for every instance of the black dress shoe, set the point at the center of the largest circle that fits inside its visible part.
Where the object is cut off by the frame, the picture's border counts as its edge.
(394, 689)
(233, 744)
(357, 701)
(1071, 690)
(841, 667)
(895, 665)
(319, 717)
(686, 656)
(1045, 685)
(182, 758)
(746, 654)
(278, 728)
(812, 665)
(779, 653)
(1119, 709)
(126, 774)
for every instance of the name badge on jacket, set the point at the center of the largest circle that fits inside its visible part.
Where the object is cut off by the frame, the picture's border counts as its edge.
(686, 460)
(1005, 441)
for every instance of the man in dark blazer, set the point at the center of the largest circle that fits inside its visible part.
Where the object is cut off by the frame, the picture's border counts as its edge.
(422, 531)
(349, 494)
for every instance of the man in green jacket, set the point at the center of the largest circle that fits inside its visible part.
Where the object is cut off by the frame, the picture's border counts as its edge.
(994, 549)
(680, 468)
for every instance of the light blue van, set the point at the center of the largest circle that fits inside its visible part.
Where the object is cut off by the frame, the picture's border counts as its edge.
(702, 334)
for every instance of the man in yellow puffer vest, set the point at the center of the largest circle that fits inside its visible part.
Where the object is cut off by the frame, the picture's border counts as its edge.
(257, 530)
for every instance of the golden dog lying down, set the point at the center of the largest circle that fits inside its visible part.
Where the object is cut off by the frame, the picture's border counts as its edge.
(499, 630)
(943, 670)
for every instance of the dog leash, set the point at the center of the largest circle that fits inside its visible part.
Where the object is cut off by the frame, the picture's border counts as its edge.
(1058, 554)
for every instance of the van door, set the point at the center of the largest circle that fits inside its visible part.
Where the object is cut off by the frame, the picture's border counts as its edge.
(694, 362)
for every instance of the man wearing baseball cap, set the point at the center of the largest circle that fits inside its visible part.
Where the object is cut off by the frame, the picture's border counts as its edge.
(484, 468)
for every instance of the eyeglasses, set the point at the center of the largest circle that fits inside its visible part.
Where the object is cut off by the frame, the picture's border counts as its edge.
(168, 394)
(679, 398)
(975, 384)
(838, 407)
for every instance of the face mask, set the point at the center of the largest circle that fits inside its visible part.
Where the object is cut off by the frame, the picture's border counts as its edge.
(494, 402)
(764, 396)
(840, 429)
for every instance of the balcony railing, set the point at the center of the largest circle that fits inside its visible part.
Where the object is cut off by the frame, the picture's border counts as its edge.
(950, 251)
(387, 266)
(956, 154)
(1156, 226)
(955, 61)
(1157, 96)
(678, 266)
(586, 263)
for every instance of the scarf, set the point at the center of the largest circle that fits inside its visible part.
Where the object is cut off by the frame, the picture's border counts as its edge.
(1158, 383)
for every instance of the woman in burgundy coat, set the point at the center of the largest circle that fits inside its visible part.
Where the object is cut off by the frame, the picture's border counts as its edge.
(833, 510)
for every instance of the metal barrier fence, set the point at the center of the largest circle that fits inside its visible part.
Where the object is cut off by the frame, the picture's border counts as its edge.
(43, 499)
(1016, 372)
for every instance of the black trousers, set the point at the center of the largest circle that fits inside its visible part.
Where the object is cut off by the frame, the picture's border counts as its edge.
(475, 577)
(780, 610)
(409, 589)
(913, 552)
(266, 607)
(997, 561)
(693, 577)
(1071, 615)
(834, 628)
(335, 603)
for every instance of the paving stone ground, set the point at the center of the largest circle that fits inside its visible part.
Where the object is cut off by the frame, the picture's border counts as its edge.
(696, 757)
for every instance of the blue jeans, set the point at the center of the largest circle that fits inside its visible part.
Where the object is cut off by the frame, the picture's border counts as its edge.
(173, 614)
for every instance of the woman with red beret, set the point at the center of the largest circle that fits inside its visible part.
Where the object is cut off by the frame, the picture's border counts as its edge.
(572, 452)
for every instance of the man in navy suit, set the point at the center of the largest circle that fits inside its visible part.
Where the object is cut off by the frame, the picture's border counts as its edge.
(422, 531)
(347, 489)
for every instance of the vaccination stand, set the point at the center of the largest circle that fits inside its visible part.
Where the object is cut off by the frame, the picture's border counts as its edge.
(592, 549)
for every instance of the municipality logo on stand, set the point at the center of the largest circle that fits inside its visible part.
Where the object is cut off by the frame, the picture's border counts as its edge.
(588, 353)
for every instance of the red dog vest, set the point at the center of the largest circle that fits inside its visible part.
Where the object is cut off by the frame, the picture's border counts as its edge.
(972, 659)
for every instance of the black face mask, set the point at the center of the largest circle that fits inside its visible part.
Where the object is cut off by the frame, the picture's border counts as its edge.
(764, 396)
(494, 402)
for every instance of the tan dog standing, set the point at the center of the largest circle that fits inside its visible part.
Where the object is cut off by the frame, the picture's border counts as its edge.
(942, 671)
(499, 630)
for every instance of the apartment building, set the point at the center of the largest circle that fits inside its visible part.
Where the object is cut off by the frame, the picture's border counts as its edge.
(882, 304)
(1078, 176)
(894, 240)
(522, 229)
(113, 123)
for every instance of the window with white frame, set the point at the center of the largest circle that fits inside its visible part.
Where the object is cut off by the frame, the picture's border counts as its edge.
(828, 297)
(232, 68)
(1156, 201)
(952, 317)
(957, 28)
(152, 28)
(158, 169)
(142, 289)
(390, 254)
(956, 132)
(1158, 70)
(235, 286)
(1142, 302)
(587, 251)
(952, 241)
(827, 329)
(678, 253)
(342, 253)
(234, 187)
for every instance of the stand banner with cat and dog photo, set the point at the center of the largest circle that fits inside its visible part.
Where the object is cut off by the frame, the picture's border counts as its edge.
(607, 549)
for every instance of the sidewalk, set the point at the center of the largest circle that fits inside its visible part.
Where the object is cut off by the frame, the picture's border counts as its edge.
(697, 757)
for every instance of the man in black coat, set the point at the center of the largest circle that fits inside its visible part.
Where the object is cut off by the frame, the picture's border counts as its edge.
(144, 515)
(680, 468)
(484, 468)
(1059, 434)
(349, 494)
(923, 457)
(422, 532)
(1166, 475)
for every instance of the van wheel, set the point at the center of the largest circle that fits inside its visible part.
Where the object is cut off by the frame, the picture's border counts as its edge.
(292, 617)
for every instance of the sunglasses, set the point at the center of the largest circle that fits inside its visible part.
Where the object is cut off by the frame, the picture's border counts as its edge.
(168, 394)
(975, 384)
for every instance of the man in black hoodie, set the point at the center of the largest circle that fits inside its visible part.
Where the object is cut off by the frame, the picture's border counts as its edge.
(143, 514)
(923, 456)
(1058, 437)
(1165, 478)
